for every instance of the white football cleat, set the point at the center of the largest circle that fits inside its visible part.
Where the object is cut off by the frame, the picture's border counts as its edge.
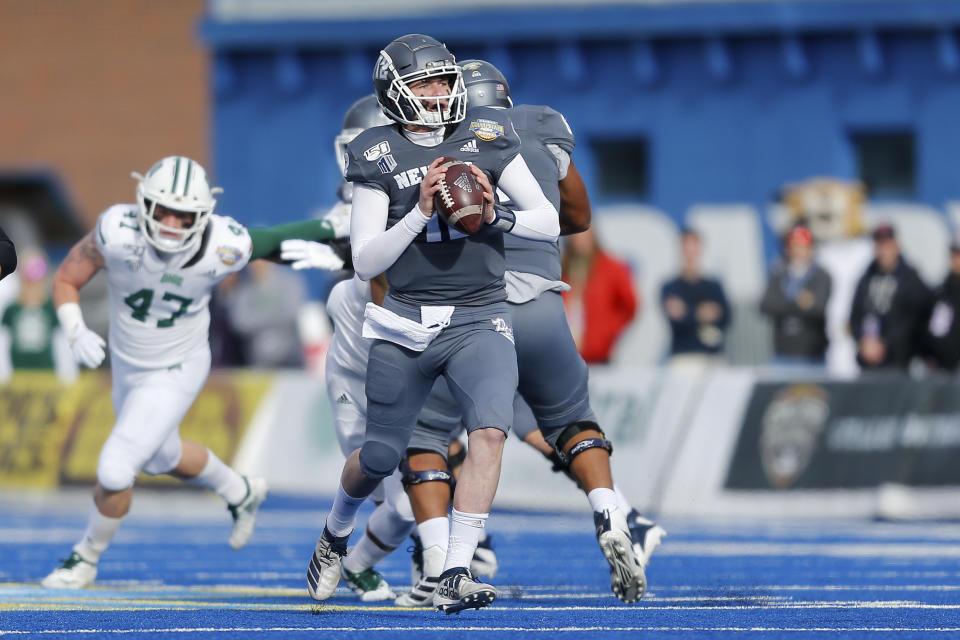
(458, 590)
(646, 535)
(245, 514)
(368, 584)
(323, 572)
(627, 578)
(74, 573)
(421, 594)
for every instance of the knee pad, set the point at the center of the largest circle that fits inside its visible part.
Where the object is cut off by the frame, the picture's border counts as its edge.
(409, 477)
(119, 464)
(378, 460)
(115, 474)
(570, 431)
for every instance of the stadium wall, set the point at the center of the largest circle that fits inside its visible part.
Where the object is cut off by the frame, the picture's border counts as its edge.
(727, 100)
(724, 441)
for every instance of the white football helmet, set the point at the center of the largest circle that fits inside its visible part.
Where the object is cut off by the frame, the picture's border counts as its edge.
(177, 183)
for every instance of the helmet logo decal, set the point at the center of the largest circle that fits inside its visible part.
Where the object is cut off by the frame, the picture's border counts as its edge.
(382, 72)
(486, 130)
(378, 150)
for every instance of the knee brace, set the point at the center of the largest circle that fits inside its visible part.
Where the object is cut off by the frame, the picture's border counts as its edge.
(378, 460)
(409, 477)
(570, 431)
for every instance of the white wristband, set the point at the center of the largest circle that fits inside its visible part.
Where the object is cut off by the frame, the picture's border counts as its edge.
(70, 317)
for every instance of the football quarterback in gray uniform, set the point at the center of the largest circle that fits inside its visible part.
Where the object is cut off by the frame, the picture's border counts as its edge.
(446, 312)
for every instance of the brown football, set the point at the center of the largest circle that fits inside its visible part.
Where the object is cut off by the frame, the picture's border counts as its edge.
(460, 198)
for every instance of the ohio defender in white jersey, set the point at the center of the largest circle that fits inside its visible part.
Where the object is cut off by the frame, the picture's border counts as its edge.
(162, 257)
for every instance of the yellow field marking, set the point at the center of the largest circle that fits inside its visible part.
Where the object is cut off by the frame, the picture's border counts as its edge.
(137, 604)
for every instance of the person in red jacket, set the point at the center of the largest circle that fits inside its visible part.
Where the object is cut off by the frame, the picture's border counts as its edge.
(601, 301)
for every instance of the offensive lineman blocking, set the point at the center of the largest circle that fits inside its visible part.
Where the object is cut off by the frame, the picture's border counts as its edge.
(162, 257)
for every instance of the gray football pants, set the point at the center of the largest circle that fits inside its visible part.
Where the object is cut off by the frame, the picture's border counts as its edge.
(476, 356)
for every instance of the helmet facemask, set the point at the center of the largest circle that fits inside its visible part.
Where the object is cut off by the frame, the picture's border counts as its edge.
(180, 185)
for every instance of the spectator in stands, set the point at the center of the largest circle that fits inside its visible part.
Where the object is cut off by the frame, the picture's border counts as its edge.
(263, 310)
(889, 305)
(29, 331)
(8, 256)
(227, 346)
(696, 308)
(796, 301)
(601, 301)
(940, 336)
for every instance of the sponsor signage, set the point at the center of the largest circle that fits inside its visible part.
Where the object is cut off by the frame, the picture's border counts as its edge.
(849, 435)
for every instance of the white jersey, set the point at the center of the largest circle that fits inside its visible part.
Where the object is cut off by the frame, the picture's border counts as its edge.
(159, 306)
(345, 305)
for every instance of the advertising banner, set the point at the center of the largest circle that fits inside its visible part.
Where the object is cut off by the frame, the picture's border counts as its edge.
(822, 435)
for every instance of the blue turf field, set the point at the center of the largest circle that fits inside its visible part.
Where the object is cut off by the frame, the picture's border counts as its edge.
(170, 574)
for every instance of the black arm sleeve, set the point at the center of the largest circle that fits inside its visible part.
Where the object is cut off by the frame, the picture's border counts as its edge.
(8, 256)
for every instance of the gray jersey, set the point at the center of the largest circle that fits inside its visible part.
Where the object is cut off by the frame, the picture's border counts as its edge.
(539, 126)
(441, 264)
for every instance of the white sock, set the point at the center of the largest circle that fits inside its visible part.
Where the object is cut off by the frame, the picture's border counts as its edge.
(465, 529)
(364, 555)
(221, 479)
(388, 526)
(602, 499)
(625, 506)
(343, 517)
(97, 537)
(435, 532)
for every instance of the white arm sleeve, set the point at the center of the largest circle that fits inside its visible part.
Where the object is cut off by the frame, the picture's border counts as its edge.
(537, 219)
(374, 246)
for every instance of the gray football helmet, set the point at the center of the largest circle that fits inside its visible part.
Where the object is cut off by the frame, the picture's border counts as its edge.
(415, 57)
(486, 86)
(362, 114)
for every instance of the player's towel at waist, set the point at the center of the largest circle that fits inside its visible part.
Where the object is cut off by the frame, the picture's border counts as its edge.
(386, 325)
